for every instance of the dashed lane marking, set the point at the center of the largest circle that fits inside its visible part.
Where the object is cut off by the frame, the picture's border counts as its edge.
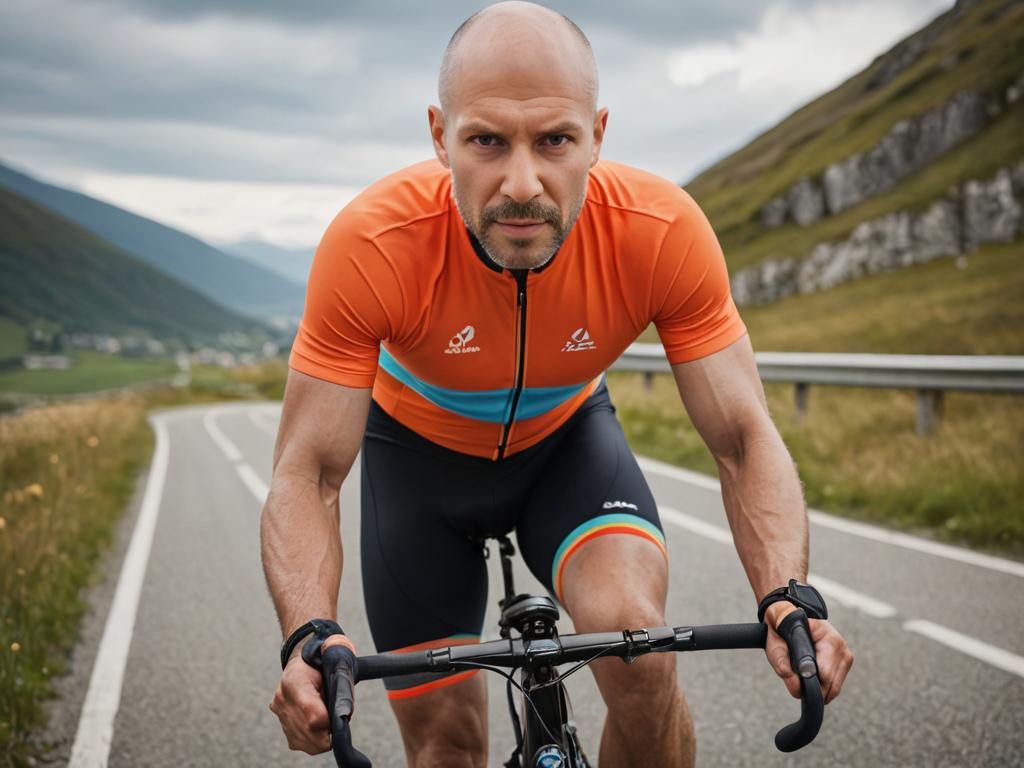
(990, 654)
(849, 526)
(831, 589)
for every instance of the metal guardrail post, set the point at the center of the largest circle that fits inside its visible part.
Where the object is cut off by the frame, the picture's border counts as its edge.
(929, 410)
(801, 394)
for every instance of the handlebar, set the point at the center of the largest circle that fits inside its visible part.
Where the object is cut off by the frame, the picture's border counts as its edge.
(342, 670)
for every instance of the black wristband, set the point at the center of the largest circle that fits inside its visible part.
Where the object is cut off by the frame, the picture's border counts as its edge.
(321, 629)
(801, 595)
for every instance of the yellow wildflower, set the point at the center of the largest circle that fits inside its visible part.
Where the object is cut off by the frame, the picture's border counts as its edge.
(35, 490)
(15, 647)
(93, 441)
(54, 458)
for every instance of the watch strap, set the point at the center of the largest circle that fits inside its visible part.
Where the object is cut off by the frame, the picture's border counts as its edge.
(791, 593)
(321, 629)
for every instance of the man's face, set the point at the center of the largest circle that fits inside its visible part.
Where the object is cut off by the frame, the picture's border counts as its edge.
(519, 152)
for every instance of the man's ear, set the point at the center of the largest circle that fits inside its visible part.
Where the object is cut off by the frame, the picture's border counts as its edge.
(600, 121)
(436, 119)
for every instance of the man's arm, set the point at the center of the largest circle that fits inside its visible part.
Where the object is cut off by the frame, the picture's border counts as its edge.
(760, 488)
(763, 500)
(321, 430)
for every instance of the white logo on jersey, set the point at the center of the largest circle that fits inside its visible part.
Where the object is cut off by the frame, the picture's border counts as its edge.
(579, 342)
(619, 505)
(459, 343)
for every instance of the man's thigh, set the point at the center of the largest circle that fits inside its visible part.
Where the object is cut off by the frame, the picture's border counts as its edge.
(592, 490)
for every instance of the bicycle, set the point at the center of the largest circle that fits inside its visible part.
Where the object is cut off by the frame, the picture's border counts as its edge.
(549, 739)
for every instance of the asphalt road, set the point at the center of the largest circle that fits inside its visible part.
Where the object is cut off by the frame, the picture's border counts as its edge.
(201, 662)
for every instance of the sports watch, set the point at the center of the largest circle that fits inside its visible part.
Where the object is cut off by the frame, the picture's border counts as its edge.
(801, 595)
(321, 629)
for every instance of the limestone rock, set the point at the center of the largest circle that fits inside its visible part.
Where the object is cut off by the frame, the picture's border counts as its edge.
(806, 202)
(773, 213)
(991, 212)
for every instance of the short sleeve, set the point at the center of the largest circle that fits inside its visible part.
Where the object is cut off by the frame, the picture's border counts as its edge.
(352, 298)
(694, 312)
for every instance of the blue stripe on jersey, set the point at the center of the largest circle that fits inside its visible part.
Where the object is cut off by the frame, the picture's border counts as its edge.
(490, 405)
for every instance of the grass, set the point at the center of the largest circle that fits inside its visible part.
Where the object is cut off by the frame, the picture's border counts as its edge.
(91, 371)
(858, 455)
(67, 472)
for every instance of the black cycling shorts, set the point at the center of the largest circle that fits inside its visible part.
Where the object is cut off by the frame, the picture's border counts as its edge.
(426, 509)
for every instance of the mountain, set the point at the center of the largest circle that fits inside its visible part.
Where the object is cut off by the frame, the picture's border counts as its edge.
(59, 273)
(228, 280)
(919, 156)
(292, 263)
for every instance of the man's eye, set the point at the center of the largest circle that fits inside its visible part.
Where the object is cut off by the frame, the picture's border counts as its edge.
(558, 140)
(486, 141)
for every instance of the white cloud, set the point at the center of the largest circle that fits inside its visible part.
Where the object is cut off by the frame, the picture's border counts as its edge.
(293, 215)
(802, 50)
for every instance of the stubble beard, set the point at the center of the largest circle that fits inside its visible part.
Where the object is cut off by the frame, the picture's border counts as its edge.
(520, 255)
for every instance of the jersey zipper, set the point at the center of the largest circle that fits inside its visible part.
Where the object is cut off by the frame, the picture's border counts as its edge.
(517, 386)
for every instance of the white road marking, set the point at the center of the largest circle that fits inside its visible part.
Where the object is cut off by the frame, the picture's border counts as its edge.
(849, 526)
(990, 654)
(263, 422)
(253, 482)
(832, 590)
(850, 598)
(691, 523)
(227, 447)
(91, 748)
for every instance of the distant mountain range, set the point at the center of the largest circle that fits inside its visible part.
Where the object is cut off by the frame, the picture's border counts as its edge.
(57, 273)
(292, 263)
(233, 282)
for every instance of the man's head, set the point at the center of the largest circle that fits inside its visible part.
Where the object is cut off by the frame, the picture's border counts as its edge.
(519, 128)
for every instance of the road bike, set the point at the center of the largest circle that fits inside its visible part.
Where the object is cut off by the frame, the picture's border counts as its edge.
(530, 643)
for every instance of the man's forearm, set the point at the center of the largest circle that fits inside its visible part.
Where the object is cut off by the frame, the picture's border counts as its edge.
(767, 514)
(301, 549)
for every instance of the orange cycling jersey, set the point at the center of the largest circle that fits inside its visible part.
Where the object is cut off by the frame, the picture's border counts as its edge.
(488, 361)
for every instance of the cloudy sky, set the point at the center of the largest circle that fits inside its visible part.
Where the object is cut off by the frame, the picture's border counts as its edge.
(236, 119)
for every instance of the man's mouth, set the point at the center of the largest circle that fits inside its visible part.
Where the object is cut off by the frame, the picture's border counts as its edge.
(520, 228)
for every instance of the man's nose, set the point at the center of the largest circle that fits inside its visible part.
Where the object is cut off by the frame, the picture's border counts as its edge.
(522, 182)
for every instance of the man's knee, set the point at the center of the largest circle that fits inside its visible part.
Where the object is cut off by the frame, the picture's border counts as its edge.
(447, 726)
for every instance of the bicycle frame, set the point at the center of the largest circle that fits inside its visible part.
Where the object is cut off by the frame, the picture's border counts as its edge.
(549, 738)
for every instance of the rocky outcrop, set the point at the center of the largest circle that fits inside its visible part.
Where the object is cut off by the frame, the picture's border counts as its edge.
(910, 145)
(991, 212)
(976, 213)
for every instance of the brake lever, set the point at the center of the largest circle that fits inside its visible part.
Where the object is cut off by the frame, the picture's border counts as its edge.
(339, 671)
(796, 631)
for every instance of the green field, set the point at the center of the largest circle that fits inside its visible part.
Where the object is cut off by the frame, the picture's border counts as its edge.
(13, 340)
(91, 372)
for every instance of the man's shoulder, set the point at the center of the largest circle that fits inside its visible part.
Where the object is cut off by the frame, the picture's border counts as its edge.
(621, 187)
(417, 193)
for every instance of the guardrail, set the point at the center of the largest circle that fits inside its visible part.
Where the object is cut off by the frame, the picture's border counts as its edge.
(930, 375)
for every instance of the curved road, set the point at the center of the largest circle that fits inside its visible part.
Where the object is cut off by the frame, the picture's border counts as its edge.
(187, 660)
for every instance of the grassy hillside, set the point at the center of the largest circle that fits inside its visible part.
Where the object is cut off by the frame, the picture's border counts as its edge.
(977, 46)
(90, 372)
(228, 280)
(57, 272)
(856, 450)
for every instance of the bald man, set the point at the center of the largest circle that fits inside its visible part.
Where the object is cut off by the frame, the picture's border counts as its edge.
(460, 315)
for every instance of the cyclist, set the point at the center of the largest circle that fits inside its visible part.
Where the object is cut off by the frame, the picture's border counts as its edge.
(459, 317)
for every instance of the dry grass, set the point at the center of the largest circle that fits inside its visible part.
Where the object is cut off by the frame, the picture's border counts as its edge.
(858, 455)
(66, 474)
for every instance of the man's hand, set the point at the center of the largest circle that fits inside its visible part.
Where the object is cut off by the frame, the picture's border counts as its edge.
(833, 656)
(299, 702)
